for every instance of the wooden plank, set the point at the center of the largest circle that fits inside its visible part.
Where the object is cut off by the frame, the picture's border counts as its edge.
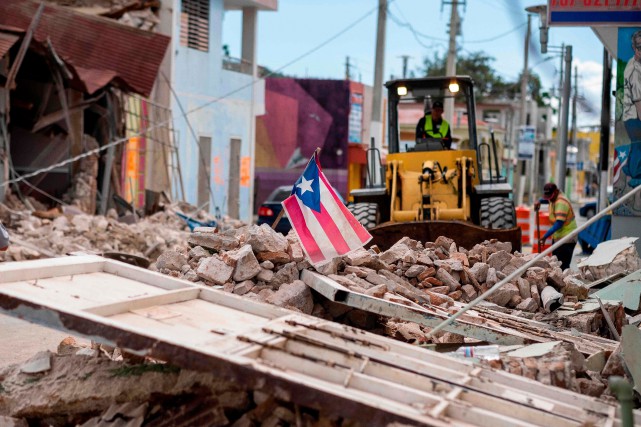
(80, 290)
(309, 361)
(138, 274)
(50, 267)
(169, 297)
(498, 383)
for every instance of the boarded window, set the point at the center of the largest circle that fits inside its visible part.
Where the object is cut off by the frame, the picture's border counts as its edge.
(194, 24)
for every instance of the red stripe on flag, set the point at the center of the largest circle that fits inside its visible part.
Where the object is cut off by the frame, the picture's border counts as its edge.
(332, 231)
(358, 228)
(304, 235)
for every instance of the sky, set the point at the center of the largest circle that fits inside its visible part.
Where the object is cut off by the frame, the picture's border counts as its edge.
(313, 38)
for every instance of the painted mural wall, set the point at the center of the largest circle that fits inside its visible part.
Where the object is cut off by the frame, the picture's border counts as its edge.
(627, 144)
(301, 115)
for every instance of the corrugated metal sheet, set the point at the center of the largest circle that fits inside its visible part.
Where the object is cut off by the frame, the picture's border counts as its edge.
(6, 42)
(97, 48)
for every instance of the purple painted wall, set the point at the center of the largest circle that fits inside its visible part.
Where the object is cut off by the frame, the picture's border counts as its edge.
(317, 113)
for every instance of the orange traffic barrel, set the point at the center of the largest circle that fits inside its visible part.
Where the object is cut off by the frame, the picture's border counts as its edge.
(523, 222)
(544, 226)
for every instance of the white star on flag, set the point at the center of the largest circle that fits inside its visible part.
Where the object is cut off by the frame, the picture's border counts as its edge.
(305, 185)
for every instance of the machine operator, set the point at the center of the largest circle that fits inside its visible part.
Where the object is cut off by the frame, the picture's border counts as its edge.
(433, 125)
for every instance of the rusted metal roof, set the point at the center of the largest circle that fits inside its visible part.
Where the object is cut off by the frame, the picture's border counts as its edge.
(98, 49)
(6, 42)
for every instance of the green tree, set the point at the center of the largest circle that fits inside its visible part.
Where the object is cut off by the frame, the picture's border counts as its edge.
(489, 84)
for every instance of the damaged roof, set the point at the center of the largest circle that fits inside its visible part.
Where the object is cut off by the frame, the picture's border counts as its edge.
(99, 50)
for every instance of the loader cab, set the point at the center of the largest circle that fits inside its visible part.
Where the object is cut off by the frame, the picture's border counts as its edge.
(412, 99)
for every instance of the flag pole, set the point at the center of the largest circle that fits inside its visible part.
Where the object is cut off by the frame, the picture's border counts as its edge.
(277, 220)
(282, 212)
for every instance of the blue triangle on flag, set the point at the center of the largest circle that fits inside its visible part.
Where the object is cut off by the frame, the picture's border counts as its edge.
(307, 187)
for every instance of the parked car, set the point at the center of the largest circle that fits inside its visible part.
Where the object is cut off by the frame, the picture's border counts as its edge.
(588, 209)
(271, 207)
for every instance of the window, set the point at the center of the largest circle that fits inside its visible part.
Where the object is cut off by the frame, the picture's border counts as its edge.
(194, 24)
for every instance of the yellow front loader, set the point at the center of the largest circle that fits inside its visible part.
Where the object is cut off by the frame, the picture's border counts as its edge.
(425, 190)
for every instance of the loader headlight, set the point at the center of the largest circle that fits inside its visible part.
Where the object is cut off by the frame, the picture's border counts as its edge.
(401, 90)
(454, 87)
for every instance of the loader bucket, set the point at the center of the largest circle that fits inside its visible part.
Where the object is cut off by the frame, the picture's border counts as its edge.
(464, 234)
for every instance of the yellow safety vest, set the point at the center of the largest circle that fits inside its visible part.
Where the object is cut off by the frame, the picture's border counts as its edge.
(429, 128)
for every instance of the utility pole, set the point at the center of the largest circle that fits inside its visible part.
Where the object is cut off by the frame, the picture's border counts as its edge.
(377, 98)
(523, 114)
(604, 149)
(450, 65)
(573, 136)
(347, 70)
(405, 58)
(561, 165)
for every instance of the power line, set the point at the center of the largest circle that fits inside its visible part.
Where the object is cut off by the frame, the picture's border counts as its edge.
(491, 39)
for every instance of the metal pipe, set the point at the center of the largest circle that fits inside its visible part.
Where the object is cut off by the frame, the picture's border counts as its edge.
(522, 269)
(625, 395)
(551, 299)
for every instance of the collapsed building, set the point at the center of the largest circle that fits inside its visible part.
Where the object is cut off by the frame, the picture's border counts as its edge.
(71, 85)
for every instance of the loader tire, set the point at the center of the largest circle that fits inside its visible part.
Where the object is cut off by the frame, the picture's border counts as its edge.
(498, 213)
(366, 213)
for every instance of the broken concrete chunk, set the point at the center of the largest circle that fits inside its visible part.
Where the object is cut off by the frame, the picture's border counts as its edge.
(514, 264)
(415, 270)
(492, 278)
(287, 274)
(197, 253)
(479, 271)
(524, 288)
(358, 257)
(171, 260)
(528, 304)
(244, 261)
(499, 259)
(329, 267)
(265, 275)
(243, 287)
(295, 294)
(575, 287)
(267, 265)
(213, 241)
(377, 291)
(358, 271)
(504, 294)
(39, 363)
(425, 259)
(395, 253)
(376, 279)
(444, 242)
(215, 270)
(268, 245)
(448, 280)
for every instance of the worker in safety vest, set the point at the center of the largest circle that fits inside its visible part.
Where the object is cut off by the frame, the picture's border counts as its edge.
(433, 125)
(4, 238)
(562, 220)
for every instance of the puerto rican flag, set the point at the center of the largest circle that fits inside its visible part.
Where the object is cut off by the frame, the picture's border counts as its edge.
(620, 160)
(325, 227)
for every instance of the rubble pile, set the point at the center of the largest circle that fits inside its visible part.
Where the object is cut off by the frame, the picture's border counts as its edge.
(261, 264)
(258, 263)
(83, 387)
(57, 232)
